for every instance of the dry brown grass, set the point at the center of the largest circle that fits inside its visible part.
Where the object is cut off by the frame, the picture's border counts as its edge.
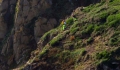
(68, 65)
(72, 38)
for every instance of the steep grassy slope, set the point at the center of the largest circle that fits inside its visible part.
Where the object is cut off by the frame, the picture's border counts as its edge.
(91, 40)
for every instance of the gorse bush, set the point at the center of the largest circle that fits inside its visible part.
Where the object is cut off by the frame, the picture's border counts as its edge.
(114, 2)
(103, 16)
(115, 39)
(67, 55)
(113, 17)
(78, 52)
(89, 40)
(89, 29)
(99, 29)
(72, 31)
(56, 40)
(113, 23)
(70, 20)
(87, 9)
(43, 53)
(64, 56)
(103, 55)
(113, 20)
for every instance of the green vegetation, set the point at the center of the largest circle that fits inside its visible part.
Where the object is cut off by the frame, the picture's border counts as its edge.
(115, 39)
(43, 53)
(48, 34)
(78, 53)
(107, 57)
(89, 8)
(72, 31)
(103, 16)
(44, 37)
(115, 2)
(55, 40)
(89, 40)
(103, 55)
(70, 20)
(97, 28)
(66, 55)
(113, 20)
(88, 29)
(17, 9)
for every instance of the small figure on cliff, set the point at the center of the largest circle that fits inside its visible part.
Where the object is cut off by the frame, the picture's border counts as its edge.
(63, 25)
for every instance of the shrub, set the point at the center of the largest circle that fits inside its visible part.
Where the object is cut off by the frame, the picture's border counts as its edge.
(98, 29)
(70, 20)
(55, 40)
(115, 39)
(42, 53)
(64, 56)
(48, 34)
(76, 24)
(113, 23)
(89, 40)
(103, 16)
(103, 55)
(74, 30)
(87, 9)
(68, 46)
(113, 20)
(78, 52)
(89, 29)
(115, 2)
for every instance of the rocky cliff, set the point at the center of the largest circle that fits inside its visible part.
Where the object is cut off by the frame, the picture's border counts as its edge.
(23, 27)
(22, 23)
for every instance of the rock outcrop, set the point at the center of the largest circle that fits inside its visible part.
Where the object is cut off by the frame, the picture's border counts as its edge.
(7, 11)
(43, 25)
(3, 65)
(22, 15)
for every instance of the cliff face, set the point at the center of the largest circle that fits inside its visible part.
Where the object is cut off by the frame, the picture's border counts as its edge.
(3, 64)
(19, 19)
(23, 22)
(7, 11)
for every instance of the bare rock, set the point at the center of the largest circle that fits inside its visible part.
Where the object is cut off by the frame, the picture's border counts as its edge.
(28, 13)
(43, 25)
